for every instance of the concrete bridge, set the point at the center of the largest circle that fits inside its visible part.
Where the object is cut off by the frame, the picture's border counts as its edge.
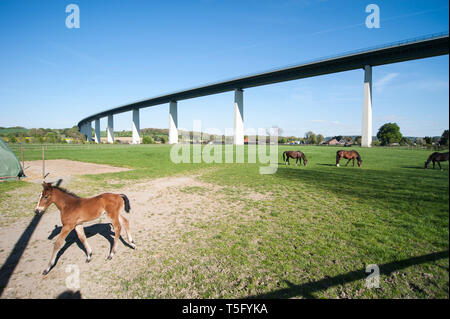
(411, 49)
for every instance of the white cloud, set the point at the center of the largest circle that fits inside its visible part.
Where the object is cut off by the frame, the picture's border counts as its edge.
(385, 80)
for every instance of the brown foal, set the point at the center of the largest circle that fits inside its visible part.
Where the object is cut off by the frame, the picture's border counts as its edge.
(75, 211)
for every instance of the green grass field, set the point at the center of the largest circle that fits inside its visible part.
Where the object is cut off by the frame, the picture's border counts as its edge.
(310, 234)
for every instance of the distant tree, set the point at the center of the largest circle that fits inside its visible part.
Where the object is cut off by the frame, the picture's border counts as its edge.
(347, 139)
(51, 137)
(164, 139)
(389, 133)
(310, 137)
(358, 140)
(444, 138)
(320, 138)
(147, 140)
(338, 138)
(283, 140)
(11, 138)
(428, 140)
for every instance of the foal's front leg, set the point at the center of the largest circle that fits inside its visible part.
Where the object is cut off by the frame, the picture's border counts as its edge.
(82, 236)
(62, 236)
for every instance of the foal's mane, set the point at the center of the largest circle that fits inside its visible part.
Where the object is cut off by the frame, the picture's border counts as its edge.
(66, 191)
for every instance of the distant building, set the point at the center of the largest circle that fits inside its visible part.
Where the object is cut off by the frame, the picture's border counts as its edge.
(332, 142)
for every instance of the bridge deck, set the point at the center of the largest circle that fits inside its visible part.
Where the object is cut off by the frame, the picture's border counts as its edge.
(412, 49)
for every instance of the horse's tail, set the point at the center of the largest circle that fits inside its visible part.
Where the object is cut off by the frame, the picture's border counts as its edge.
(126, 202)
(284, 158)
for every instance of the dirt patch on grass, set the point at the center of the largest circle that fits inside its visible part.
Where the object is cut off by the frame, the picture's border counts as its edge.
(62, 168)
(162, 210)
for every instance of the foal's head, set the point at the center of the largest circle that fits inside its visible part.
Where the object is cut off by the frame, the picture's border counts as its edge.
(45, 199)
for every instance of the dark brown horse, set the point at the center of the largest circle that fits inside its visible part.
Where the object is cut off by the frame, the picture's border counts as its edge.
(294, 154)
(75, 211)
(350, 155)
(436, 157)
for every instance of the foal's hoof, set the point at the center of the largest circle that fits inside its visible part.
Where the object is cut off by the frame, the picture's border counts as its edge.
(109, 257)
(45, 272)
(88, 258)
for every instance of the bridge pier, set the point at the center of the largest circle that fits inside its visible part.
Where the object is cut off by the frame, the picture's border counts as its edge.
(110, 129)
(89, 131)
(238, 117)
(97, 131)
(86, 130)
(366, 134)
(136, 127)
(83, 129)
(173, 122)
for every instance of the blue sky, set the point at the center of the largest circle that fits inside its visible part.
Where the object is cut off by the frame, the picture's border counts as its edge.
(124, 51)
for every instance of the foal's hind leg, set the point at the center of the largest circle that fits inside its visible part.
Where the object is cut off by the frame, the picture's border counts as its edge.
(117, 229)
(81, 235)
(126, 225)
(62, 236)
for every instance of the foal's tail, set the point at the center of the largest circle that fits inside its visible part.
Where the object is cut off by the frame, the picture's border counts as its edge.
(126, 201)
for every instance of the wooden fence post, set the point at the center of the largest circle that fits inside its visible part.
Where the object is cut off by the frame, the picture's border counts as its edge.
(43, 163)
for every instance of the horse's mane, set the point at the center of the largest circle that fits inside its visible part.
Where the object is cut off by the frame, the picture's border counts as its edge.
(66, 191)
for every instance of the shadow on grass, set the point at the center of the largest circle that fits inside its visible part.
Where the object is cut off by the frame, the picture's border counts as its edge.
(372, 185)
(307, 289)
(106, 230)
(13, 259)
(413, 167)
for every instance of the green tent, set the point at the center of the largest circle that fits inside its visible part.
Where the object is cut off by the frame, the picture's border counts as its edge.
(9, 164)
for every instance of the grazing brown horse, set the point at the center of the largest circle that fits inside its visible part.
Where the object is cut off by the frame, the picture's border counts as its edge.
(350, 155)
(75, 211)
(436, 157)
(294, 154)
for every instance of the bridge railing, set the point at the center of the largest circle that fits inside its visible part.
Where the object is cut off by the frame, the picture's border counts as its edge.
(337, 55)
